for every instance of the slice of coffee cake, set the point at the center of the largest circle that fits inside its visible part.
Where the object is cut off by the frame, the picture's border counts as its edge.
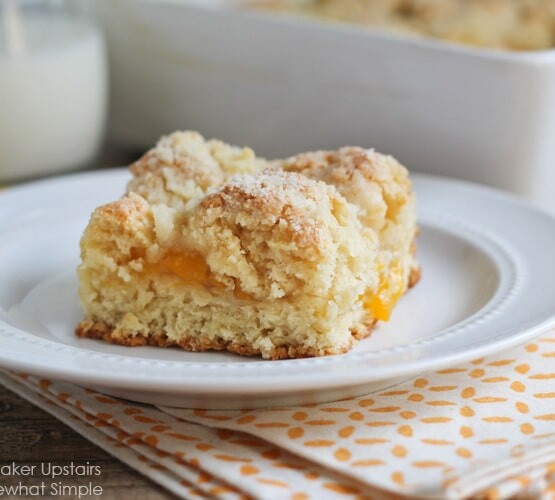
(213, 248)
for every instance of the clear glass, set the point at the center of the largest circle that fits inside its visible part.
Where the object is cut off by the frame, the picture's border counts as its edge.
(53, 87)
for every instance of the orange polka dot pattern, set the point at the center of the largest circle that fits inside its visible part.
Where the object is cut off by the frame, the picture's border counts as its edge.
(485, 429)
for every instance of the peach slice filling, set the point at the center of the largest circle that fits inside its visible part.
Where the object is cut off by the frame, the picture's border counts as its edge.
(392, 285)
(193, 270)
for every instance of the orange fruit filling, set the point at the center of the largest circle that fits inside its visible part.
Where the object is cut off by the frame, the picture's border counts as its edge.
(380, 303)
(192, 269)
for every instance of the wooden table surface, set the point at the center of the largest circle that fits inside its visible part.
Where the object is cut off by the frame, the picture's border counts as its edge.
(29, 435)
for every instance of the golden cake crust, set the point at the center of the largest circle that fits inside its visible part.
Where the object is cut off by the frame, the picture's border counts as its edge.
(183, 166)
(107, 333)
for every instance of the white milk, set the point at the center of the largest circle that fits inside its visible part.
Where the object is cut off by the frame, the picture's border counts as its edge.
(53, 95)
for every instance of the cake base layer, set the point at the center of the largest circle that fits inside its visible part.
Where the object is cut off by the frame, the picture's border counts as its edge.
(99, 330)
(195, 343)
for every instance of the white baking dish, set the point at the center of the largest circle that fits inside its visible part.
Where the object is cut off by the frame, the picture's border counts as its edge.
(285, 84)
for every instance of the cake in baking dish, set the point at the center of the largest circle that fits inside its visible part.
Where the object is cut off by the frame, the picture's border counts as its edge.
(502, 24)
(214, 248)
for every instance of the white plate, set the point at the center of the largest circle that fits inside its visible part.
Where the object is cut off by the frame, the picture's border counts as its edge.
(488, 284)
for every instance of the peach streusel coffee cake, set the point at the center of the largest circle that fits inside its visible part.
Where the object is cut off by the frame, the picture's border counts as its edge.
(214, 248)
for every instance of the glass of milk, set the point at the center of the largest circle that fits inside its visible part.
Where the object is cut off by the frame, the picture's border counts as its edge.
(53, 88)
